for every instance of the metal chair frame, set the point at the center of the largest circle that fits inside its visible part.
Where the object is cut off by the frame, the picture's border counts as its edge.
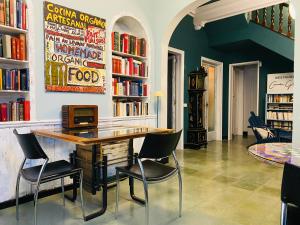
(145, 184)
(41, 181)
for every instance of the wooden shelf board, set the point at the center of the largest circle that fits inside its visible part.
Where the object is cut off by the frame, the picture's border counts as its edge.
(279, 102)
(125, 96)
(128, 55)
(129, 76)
(12, 30)
(13, 91)
(13, 61)
(280, 120)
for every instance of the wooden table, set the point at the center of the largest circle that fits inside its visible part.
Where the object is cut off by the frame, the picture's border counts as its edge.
(276, 153)
(91, 139)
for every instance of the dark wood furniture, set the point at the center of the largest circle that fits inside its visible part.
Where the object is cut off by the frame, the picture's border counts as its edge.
(96, 159)
(79, 116)
(196, 133)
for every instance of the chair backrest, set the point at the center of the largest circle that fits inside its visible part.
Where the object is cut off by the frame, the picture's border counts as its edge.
(158, 146)
(290, 188)
(30, 146)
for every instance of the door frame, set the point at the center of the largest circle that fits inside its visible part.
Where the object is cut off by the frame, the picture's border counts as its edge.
(230, 91)
(219, 94)
(179, 120)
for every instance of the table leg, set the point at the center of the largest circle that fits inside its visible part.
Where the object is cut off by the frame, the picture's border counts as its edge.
(104, 192)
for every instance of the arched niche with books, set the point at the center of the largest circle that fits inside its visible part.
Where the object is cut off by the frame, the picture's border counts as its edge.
(130, 63)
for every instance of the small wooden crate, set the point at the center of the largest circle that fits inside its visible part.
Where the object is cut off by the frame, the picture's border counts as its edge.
(114, 150)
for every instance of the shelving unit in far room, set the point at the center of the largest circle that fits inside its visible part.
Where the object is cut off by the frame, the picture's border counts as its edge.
(15, 72)
(130, 63)
(279, 101)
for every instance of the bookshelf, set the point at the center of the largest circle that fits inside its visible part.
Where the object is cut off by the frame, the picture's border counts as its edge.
(279, 101)
(15, 77)
(130, 76)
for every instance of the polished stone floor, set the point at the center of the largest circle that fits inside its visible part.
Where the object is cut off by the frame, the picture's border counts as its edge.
(223, 185)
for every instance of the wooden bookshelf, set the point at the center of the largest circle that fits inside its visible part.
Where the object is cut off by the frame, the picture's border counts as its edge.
(130, 63)
(15, 81)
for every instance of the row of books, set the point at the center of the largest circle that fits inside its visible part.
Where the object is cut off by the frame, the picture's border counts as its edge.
(278, 98)
(130, 108)
(286, 125)
(15, 111)
(17, 80)
(12, 47)
(280, 107)
(129, 88)
(280, 115)
(129, 66)
(13, 13)
(129, 44)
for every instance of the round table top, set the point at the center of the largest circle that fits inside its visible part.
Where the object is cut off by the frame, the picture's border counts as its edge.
(276, 152)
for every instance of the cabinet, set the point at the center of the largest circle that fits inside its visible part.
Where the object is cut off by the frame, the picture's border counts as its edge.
(196, 133)
(130, 75)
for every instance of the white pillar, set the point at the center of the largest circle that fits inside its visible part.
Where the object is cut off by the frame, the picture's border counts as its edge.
(296, 123)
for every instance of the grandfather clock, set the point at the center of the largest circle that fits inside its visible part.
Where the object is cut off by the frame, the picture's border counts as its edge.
(196, 133)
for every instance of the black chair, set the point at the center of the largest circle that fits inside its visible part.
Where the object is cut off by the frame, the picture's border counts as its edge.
(155, 146)
(43, 173)
(265, 134)
(290, 195)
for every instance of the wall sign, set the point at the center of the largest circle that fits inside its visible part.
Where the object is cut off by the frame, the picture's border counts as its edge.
(74, 50)
(281, 83)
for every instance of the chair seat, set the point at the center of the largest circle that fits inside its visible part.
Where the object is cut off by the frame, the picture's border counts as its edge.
(53, 170)
(154, 171)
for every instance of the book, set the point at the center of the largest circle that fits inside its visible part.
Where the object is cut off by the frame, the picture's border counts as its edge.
(4, 112)
(7, 12)
(1, 46)
(12, 13)
(26, 110)
(22, 38)
(125, 43)
(18, 57)
(2, 12)
(13, 48)
(6, 41)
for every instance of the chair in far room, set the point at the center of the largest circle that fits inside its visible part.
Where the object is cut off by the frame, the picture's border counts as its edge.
(290, 195)
(155, 147)
(265, 134)
(48, 171)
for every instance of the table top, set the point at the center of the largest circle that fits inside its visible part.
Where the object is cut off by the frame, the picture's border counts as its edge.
(98, 135)
(278, 153)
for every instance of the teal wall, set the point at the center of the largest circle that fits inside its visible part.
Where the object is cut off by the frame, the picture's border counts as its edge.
(198, 43)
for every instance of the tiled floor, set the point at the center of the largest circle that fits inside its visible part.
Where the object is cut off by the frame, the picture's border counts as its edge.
(223, 185)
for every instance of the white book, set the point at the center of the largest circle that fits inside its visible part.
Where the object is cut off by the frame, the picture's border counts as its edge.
(6, 41)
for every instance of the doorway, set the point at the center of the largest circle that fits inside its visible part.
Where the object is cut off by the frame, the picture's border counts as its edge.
(175, 91)
(243, 96)
(213, 98)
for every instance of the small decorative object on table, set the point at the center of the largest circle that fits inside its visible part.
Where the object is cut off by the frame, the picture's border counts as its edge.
(196, 134)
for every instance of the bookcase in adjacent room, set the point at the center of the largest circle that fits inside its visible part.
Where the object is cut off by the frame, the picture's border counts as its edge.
(279, 101)
(130, 86)
(14, 64)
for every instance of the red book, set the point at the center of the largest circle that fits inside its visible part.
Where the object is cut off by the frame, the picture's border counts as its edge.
(13, 48)
(2, 12)
(24, 8)
(125, 43)
(22, 47)
(113, 41)
(18, 49)
(130, 61)
(145, 90)
(26, 110)
(3, 112)
(12, 13)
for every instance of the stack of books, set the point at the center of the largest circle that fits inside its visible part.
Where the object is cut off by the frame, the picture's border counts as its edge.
(15, 111)
(128, 66)
(129, 44)
(12, 47)
(130, 108)
(17, 79)
(14, 13)
(129, 88)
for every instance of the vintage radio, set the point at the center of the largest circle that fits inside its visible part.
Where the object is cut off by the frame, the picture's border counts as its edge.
(79, 116)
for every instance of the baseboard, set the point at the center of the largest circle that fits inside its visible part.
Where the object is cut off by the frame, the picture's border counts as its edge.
(29, 198)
